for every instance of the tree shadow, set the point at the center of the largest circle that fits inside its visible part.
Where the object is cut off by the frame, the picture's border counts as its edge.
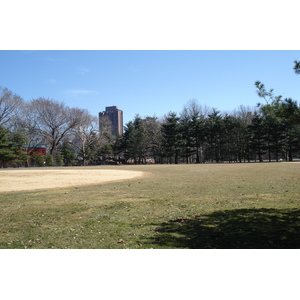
(233, 229)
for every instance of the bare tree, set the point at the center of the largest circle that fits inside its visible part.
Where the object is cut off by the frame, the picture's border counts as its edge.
(26, 124)
(244, 113)
(9, 105)
(105, 126)
(54, 120)
(86, 136)
(193, 108)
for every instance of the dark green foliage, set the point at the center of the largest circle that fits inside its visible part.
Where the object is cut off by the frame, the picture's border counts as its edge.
(270, 133)
(258, 137)
(19, 150)
(141, 140)
(11, 148)
(68, 154)
(173, 140)
(49, 160)
(38, 160)
(106, 151)
(297, 67)
(59, 159)
(138, 144)
(281, 123)
(134, 140)
(235, 134)
(215, 132)
(6, 151)
(196, 126)
(187, 133)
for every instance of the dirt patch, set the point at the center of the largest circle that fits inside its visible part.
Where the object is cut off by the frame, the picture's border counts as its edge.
(17, 180)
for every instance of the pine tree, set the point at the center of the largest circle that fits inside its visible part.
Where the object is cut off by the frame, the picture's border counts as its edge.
(68, 154)
(6, 152)
(173, 140)
(187, 134)
(258, 137)
(215, 132)
(135, 139)
(11, 148)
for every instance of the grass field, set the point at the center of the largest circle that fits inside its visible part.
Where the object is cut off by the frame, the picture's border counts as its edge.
(179, 206)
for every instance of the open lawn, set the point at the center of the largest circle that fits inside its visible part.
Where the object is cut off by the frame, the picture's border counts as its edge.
(230, 206)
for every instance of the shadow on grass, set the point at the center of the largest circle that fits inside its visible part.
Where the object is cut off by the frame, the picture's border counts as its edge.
(233, 229)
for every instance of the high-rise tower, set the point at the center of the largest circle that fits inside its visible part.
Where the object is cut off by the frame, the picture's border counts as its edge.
(115, 115)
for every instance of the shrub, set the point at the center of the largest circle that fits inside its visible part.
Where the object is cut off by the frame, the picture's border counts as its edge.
(49, 160)
(38, 160)
(59, 159)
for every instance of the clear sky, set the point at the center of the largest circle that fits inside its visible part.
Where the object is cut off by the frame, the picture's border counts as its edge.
(151, 82)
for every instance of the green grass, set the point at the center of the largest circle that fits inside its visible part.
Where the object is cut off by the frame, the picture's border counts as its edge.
(178, 206)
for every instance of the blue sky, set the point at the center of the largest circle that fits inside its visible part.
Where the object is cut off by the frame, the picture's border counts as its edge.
(148, 82)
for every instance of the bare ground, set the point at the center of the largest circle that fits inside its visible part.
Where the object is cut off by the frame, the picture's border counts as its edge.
(16, 180)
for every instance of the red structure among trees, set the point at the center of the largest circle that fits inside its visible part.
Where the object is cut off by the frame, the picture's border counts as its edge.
(38, 150)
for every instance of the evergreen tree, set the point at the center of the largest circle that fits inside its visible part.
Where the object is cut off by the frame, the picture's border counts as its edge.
(274, 136)
(198, 136)
(134, 142)
(172, 138)
(140, 138)
(231, 138)
(215, 132)
(68, 154)
(18, 140)
(188, 141)
(38, 160)
(258, 137)
(6, 151)
(285, 114)
(288, 111)
(11, 148)
(193, 116)
(49, 160)
(59, 159)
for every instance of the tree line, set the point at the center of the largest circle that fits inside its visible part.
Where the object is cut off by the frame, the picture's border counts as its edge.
(198, 134)
(70, 135)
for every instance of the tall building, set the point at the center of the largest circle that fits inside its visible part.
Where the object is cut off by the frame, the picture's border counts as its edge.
(115, 115)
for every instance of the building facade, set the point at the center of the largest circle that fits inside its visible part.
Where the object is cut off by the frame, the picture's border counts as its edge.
(115, 116)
